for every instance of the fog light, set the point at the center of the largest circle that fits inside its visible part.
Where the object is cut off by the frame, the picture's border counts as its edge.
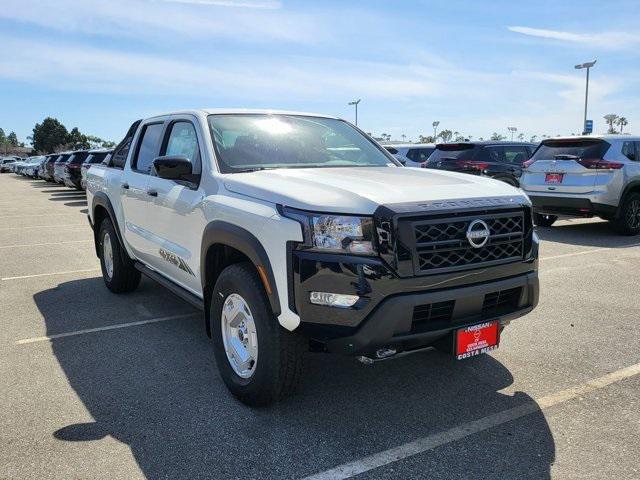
(333, 299)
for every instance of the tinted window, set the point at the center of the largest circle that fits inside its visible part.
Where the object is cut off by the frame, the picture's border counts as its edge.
(591, 148)
(121, 151)
(490, 154)
(420, 154)
(183, 141)
(255, 141)
(148, 147)
(515, 155)
(455, 151)
(391, 150)
(629, 151)
(78, 157)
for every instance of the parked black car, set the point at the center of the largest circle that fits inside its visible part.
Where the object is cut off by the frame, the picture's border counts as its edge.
(499, 160)
(71, 176)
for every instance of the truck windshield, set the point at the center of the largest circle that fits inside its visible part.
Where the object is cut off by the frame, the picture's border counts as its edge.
(248, 142)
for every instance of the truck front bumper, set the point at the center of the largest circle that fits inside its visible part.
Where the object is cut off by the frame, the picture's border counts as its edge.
(404, 313)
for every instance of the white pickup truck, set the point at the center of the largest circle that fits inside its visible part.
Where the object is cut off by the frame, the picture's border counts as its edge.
(297, 232)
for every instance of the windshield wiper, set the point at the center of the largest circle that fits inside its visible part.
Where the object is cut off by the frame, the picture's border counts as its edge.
(248, 170)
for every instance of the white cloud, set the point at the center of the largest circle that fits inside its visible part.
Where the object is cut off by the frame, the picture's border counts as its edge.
(607, 40)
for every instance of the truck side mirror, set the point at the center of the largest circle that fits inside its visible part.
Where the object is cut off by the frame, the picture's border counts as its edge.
(173, 167)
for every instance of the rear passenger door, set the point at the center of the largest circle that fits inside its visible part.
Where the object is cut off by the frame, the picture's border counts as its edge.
(174, 212)
(138, 226)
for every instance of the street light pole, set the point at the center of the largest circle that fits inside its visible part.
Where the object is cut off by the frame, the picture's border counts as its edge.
(355, 103)
(588, 66)
(512, 130)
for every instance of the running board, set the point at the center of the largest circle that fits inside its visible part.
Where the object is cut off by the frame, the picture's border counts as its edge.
(169, 285)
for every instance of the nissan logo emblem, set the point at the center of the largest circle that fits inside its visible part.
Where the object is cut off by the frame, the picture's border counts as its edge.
(478, 233)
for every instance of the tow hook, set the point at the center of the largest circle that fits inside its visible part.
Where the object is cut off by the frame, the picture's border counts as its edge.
(388, 353)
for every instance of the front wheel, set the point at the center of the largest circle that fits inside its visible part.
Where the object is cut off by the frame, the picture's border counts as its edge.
(259, 361)
(118, 271)
(628, 220)
(542, 220)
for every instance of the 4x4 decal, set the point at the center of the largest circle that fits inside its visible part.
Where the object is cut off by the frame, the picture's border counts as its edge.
(176, 260)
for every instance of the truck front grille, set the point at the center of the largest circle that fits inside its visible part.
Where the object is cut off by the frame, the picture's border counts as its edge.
(441, 244)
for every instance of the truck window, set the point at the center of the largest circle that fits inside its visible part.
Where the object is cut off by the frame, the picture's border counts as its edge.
(183, 141)
(148, 147)
(121, 151)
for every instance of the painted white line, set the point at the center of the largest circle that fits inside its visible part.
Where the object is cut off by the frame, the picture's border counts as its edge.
(102, 329)
(424, 444)
(44, 244)
(49, 274)
(46, 226)
(40, 215)
(586, 252)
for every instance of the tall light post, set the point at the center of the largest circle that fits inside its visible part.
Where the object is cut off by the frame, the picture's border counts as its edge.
(435, 129)
(355, 103)
(586, 65)
(512, 130)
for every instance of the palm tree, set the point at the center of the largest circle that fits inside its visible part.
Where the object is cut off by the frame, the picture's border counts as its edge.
(445, 135)
(533, 138)
(403, 137)
(611, 119)
(622, 122)
(521, 137)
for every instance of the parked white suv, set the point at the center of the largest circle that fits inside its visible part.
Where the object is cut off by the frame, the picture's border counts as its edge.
(296, 231)
(411, 154)
(586, 176)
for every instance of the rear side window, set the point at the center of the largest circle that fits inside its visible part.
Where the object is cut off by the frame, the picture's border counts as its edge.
(391, 150)
(121, 152)
(563, 149)
(148, 147)
(516, 155)
(78, 157)
(97, 157)
(454, 151)
(629, 150)
(490, 154)
(420, 154)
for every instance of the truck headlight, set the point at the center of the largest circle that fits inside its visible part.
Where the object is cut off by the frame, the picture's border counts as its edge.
(335, 233)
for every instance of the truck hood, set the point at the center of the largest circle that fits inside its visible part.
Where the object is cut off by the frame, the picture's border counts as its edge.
(362, 189)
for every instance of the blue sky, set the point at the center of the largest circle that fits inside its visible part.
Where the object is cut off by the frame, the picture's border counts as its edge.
(477, 67)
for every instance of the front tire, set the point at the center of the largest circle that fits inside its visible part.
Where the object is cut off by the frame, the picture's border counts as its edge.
(628, 220)
(259, 361)
(542, 220)
(118, 271)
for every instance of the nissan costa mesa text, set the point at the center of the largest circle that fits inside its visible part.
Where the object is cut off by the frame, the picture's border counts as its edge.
(297, 232)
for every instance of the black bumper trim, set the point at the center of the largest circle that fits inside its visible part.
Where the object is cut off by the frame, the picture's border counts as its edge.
(390, 323)
(579, 207)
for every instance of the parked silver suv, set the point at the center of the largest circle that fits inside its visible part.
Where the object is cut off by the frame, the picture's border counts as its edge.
(586, 176)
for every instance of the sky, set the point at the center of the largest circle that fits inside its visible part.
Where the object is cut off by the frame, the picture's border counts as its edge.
(475, 66)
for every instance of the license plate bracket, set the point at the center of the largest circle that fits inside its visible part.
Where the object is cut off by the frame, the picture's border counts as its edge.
(477, 339)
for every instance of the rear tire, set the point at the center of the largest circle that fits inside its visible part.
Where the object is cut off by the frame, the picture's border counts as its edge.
(542, 220)
(118, 271)
(628, 219)
(276, 370)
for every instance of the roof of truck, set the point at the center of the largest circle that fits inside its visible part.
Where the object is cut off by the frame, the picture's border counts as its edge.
(227, 111)
(607, 136)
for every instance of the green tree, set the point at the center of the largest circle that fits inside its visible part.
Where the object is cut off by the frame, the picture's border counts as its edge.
(445, 135)
(622, 122)
(77, 140)
(496, 137)
(611, 120)
(426, 139)
(12, 139)
(49, 135)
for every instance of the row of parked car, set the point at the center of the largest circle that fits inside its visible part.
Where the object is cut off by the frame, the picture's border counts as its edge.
(581, 176)
(67, 168)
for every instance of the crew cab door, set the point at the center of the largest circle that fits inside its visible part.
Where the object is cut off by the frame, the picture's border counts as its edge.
(173, 209)
(138, 226)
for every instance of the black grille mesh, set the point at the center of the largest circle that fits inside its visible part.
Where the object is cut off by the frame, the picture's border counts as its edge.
(442, 244)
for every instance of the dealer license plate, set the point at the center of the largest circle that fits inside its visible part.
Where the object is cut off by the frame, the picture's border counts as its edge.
(477, 339)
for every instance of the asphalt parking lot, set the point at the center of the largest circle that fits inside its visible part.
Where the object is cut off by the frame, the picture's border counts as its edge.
(96, 385)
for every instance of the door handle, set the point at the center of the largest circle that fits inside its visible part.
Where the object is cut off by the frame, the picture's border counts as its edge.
(125, 186)
(152, 193)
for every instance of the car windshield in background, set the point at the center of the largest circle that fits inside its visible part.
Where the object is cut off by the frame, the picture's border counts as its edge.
(247, 142)
(453, 151)
(559, 149)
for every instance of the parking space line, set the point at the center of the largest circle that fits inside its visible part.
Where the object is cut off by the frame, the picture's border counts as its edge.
(460, 432)
(43, 244)
(585, 252)
(40, 215)
(102, 329)
(46, 226)
(49, 274)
